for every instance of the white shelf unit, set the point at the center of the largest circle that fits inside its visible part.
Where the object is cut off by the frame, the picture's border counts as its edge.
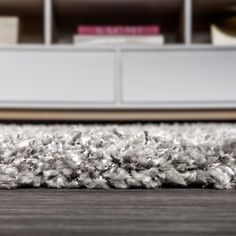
(51, 73)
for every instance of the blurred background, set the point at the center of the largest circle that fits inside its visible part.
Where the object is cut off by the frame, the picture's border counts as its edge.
(117, 60)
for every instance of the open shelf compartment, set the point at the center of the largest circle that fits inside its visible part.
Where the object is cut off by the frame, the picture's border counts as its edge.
(30, 15)
(207, 12)
(168, 14)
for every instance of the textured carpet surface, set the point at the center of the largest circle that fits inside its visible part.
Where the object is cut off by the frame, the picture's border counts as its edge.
(112, 156)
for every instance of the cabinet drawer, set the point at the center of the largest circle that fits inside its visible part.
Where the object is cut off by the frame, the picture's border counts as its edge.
(179, 77)
(56, 77)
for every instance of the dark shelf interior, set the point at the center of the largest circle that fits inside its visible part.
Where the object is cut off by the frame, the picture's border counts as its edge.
(207, 12)
(68, 14)
(30, 13)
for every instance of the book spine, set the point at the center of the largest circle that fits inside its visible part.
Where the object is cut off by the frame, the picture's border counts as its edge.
(118, 30)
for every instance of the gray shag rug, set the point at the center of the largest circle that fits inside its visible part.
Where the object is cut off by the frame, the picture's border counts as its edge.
(118, 156)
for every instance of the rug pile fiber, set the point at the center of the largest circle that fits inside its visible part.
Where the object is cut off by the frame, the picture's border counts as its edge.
(118, 156)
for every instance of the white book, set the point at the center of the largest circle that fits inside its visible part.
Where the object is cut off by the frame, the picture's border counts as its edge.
(118, 40)
(9, 30)
(221, 38)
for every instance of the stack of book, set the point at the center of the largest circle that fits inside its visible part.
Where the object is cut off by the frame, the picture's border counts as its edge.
(113, 35)
(9, 30)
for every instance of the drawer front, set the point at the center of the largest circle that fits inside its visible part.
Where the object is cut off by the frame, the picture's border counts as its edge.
(179, 77)
(57, 77)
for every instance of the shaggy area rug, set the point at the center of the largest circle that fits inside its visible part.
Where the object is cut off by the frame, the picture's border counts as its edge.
(118, 156)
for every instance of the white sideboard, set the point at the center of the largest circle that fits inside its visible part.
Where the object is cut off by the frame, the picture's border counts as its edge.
(46, 72)
(134, 78)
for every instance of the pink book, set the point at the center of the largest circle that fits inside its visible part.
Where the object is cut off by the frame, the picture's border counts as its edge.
(118, 30)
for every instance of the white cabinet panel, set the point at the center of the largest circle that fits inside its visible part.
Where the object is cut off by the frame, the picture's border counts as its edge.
(56, 76)
(179, 76)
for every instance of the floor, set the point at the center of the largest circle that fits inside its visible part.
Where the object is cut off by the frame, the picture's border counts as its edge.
(117, 212)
